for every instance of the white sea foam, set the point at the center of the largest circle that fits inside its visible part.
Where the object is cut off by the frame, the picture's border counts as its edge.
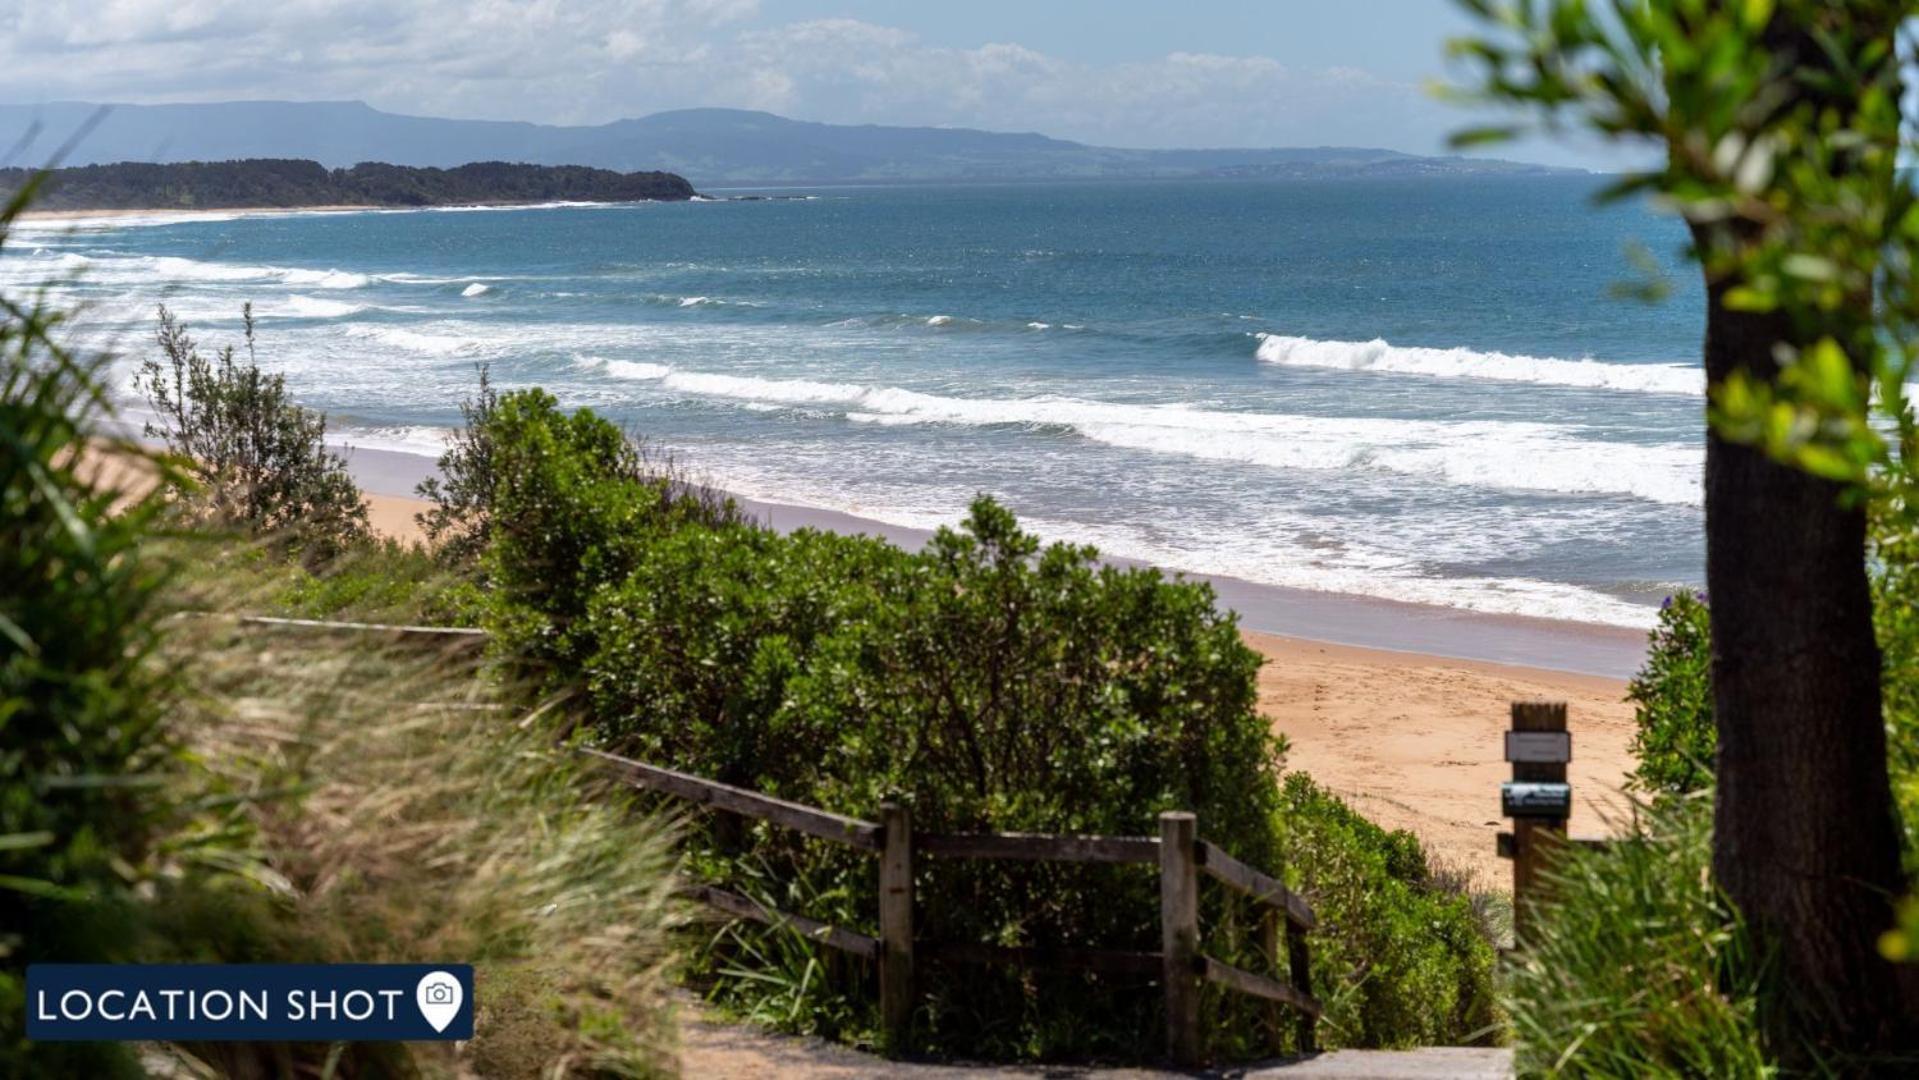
(412, 340)
(104, 222)
(634, 369)
(1284, 551)
(1039, 326)
(475, 289)
(940, 320)
(1377, 355)
(692, 301)
(403, 277)
(157, 270)
(414, 439)
(313, 307)
(1484, 454)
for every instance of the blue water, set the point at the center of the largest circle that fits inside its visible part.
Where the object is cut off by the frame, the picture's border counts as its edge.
(1418, 390)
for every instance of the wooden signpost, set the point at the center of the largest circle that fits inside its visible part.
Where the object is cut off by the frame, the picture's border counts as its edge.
(1538, 799)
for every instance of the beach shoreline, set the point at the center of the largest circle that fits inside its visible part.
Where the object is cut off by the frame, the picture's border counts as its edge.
(1343, 619)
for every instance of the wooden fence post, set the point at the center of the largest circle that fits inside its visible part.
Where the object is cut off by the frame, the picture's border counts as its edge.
(1179, 933)
(1269, 931)
(1533, 835)
(1299, 962)
(896, 927)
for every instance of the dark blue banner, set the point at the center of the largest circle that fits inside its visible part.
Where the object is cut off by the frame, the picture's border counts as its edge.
(279, 1002)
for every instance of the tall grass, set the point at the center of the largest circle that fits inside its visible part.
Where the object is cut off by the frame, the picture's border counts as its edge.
(398, 810)
(1636, 964)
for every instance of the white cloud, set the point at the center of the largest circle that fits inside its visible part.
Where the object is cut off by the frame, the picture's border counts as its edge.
(589, 62)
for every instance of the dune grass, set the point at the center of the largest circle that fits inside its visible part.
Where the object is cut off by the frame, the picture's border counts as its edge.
(388, 805)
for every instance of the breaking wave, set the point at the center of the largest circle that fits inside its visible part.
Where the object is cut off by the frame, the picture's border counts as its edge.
(1485, 454)
(1377, 355)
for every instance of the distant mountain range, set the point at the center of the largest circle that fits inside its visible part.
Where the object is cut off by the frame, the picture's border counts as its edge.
(707, 146)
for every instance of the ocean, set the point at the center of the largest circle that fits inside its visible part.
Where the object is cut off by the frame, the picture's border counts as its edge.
(1417, 390)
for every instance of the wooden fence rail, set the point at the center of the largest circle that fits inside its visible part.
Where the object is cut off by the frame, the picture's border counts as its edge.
(1178, 851)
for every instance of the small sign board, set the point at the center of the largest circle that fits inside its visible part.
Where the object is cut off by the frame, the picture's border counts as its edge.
(1550, 747)
(1518, 799)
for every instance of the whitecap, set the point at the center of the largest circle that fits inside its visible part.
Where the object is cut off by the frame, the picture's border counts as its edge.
(313, 307)
(1510, 455)
(1461, 363)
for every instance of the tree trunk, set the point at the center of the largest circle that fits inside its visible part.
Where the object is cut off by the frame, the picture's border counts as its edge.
(1805, 838)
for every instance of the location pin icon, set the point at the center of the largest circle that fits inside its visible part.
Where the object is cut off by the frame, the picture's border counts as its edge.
(439, 996)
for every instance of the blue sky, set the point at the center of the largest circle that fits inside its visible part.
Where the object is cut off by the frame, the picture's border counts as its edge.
(1121, 72)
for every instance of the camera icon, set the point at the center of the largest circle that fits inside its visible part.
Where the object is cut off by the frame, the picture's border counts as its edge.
(440, 993)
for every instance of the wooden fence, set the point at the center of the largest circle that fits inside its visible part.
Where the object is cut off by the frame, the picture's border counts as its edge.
(1178, 852)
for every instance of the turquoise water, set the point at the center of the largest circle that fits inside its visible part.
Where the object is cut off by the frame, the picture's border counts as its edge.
(1414, 390)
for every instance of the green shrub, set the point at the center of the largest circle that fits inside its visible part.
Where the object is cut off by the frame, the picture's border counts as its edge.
(83, 750)
(574, 505)
(1672, 696)
(261, 461)
(985, 682)
(1676, 740)
(457, 523)
(1638, 965)
(381, 581)
(1402, 958)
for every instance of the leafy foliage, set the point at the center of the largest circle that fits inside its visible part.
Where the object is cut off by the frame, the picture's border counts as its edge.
(261, 460)
(83, 746)
(575, 503)
(1672, 696)
(1895, 605)
(1786, 171)
(986, 682)
(1675, 740)
(456, 524)
(1403, 959)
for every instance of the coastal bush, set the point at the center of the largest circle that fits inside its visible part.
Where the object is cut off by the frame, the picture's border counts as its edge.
(1402, 959)
(190, 796)
(456, 524)
(1675, 739)
(1672, 699)
(575, 504)
(260, 461)
(986, 682)
(84, 750)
